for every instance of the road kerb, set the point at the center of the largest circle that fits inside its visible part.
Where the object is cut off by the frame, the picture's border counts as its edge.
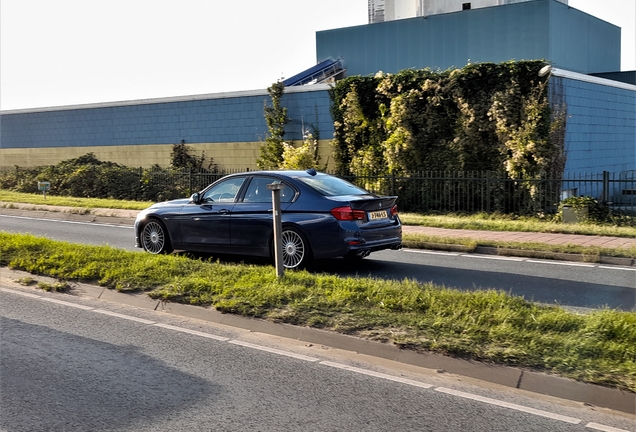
(577, 391)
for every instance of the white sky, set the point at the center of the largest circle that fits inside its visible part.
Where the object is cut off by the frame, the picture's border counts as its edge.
(65, 52)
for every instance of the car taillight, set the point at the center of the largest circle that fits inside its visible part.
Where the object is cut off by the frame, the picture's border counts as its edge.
(347, 214)
(394, 211)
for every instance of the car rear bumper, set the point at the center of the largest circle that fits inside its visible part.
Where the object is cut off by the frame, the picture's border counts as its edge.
(354, 240)
(364, 249)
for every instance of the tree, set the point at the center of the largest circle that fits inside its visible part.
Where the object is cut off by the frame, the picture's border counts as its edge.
(303, 157)
(271, 152)
(182, 157)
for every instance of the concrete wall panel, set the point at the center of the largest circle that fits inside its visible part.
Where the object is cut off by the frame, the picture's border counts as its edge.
(227, 156)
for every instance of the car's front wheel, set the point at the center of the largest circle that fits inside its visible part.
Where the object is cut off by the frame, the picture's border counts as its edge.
(154, 238)
(295, 249)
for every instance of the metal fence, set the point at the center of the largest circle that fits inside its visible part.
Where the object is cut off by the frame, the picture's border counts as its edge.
(473, 191)
(423, 191)
(467, 192)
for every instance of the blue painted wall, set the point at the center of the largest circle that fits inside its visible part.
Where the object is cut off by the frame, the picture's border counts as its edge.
(216, 118)
(582, 43)
(540, 29)
(600, 134)
(601, 127)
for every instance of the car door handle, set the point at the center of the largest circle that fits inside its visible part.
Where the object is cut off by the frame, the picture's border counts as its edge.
(224, 211)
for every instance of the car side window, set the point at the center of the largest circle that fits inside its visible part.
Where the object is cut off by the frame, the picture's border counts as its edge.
(287, 193)
(224, 192)
(257, 191)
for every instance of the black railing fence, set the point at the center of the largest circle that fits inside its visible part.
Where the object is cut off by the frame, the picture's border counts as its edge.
(479, 191)
(432, 191)
(180, 183)
(467, 192)
(422, 191)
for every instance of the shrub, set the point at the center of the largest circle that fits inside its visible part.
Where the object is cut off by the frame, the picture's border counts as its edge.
(596, 212)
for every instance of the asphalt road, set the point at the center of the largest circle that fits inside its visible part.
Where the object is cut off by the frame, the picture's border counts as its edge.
(578, 285)
(77, 364)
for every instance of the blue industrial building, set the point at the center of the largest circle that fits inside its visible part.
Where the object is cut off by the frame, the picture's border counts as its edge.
(531, 30)
(601, 123)
(583, 50)
(213, 118)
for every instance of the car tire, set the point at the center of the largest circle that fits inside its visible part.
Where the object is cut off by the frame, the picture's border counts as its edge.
(154, 238)
(295, 250)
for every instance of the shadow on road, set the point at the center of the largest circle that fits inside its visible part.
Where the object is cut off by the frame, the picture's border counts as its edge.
(60, 381)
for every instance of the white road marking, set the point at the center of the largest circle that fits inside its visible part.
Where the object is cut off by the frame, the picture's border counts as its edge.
(65, 303)
(563, 263)
(20, 293)
(500, 258)
(128, 317)
(274, 351)
(377, 374)
(604, 428)
(192, 332)
(69, 222)
(521, 408)
(431, 252)
(617, 268)
(519, 259)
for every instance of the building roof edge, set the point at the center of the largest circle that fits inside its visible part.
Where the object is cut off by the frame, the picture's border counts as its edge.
(188, 98)
(592, 79)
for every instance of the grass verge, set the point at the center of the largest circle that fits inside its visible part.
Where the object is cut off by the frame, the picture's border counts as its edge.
(82, 203)
(490, 326)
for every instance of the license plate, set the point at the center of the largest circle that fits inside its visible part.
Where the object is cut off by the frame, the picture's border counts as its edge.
(377, 215)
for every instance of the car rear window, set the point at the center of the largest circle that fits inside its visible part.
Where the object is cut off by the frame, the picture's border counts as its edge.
(332, 186)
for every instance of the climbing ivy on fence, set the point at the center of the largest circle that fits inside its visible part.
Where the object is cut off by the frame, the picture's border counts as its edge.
(485, 117)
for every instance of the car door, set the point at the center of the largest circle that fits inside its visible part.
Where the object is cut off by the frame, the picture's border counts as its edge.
(208, 222)
(251, 223)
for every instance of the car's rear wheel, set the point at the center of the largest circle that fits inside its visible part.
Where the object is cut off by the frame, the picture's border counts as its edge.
(154, 238)
(295, 250)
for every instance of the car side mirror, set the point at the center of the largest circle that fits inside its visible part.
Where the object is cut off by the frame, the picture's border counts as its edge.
(195, 198)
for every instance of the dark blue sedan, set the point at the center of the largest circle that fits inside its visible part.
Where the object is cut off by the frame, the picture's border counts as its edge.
(322, 217)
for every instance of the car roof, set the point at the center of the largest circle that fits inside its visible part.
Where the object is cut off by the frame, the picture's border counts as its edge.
(289, 173)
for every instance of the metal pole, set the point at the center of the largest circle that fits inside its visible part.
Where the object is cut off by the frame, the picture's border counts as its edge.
(190, 181)
(278, 228)
(606, 188)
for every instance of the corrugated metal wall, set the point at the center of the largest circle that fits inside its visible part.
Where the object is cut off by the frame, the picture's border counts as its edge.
(601, 124)
(214, 118)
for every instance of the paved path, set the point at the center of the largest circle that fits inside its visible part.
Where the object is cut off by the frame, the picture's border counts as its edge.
(127, 217)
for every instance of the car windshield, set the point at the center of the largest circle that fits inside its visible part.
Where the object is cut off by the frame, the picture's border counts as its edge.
(332, 186)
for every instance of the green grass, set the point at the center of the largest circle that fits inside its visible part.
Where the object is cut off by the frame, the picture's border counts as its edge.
(499, 222)
(492, 326)
(81, 203)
